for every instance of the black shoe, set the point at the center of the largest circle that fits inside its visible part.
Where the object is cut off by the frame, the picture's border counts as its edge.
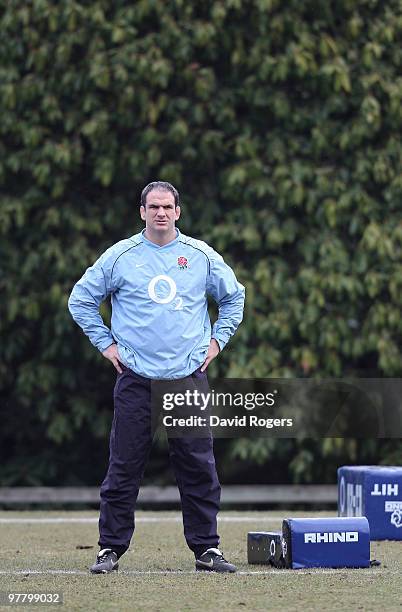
(212, 560)
(106, 561)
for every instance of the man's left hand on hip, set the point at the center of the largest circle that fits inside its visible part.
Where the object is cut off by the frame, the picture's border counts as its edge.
(213, 350)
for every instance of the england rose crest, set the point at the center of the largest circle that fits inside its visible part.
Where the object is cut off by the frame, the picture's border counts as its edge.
(182, 261)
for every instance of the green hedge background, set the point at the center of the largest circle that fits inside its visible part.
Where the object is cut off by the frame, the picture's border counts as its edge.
(279, 123)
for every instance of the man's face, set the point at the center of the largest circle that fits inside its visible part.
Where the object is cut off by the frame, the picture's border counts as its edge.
(160, 213)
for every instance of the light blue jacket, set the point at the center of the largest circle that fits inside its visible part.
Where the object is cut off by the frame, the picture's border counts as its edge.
(160, 319)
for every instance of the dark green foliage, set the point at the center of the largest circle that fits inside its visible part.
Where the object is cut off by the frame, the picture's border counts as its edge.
(280, 125)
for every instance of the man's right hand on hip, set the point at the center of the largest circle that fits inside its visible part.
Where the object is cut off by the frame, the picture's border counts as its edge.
(112, 354)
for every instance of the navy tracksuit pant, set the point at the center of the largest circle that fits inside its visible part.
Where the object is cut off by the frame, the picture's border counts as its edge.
(130, 443)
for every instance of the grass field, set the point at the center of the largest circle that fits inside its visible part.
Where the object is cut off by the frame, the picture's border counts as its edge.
(157, 573)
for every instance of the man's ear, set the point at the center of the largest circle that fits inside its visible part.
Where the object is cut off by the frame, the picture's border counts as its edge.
(142, 212)
(177, 213)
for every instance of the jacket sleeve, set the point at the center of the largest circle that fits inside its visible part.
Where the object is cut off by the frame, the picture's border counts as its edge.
(86, 297)
(229, 294)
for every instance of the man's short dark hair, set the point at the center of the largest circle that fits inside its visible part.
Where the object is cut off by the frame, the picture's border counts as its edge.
(163, 186)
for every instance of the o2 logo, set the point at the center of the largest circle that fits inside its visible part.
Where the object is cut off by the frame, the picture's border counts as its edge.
(162, 289)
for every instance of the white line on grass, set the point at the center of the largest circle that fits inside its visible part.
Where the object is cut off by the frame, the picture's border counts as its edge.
(185, 572)
(140, 519)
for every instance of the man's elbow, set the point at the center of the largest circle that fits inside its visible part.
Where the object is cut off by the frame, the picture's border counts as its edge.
(72, 304)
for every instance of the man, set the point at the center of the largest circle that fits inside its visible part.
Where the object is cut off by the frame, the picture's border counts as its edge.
(160, 330)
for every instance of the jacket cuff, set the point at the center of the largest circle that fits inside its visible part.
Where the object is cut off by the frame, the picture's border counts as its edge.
(220, 341)
(102, 346)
